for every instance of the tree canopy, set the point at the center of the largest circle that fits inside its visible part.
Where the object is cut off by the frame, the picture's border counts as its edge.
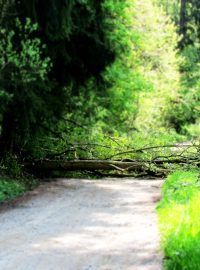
(63, 40)
(77, 70)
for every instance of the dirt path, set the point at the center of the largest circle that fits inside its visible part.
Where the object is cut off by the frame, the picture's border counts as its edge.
(83, 225)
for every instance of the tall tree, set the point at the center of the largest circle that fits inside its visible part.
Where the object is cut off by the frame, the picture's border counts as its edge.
(75, 36)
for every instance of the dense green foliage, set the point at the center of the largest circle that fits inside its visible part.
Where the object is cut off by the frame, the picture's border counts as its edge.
(73, 39)
(179, 220)
(185, 108)
(9, 189)
(159, 65)
(119, 56)
(136, 89)
(23, 83)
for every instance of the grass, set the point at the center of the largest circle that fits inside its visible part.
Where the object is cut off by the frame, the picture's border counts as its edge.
(179, 218)
(13, 181)
(10, 189)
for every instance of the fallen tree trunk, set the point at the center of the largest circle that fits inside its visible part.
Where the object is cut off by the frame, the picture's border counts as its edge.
(74, 165)
(127, 164)
(122, 167)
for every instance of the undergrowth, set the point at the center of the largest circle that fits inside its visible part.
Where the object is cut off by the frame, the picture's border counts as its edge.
(14, 181)
(179, 218)
(10, 189)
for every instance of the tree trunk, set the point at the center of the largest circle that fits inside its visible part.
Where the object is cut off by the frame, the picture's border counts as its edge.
(183, 23)
(138, 167)
(74, 165)
(7, 134)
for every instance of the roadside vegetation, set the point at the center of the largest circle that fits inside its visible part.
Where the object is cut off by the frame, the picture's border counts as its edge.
(11, 188)
(179, 220)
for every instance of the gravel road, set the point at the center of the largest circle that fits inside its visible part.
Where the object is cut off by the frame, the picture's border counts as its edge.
(107, 224)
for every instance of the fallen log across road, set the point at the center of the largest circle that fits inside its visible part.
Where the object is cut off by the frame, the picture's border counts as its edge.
(158, 166)
(74, 165)
(122, 167)
(97, 164)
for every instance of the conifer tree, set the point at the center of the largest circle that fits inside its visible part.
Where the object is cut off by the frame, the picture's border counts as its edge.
(71, 33)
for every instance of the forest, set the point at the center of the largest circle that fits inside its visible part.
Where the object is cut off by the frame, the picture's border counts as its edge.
(105, 87)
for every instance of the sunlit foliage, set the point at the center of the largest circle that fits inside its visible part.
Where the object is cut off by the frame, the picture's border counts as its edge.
(159, 64)
(179, 221)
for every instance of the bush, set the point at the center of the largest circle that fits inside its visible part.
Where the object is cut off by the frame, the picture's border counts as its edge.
(9, 189)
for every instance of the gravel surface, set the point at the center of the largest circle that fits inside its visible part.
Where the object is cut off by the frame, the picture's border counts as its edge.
(107, 224)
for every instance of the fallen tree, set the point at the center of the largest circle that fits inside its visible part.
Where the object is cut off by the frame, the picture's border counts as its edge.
(98, 167)
(122, 167)
(157, 166)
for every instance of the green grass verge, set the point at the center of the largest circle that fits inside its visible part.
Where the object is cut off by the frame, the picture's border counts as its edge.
(179, 219)
(12, 188)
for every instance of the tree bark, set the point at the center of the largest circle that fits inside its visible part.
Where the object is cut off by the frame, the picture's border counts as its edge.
(183, 23)
(156, 168)
(102, 165)
(7, 134)
(74, 165)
